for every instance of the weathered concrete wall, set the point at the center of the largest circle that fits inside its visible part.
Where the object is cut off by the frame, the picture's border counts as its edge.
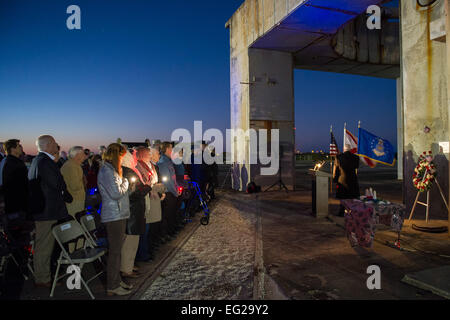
(272, 107)
(356, 42)
(425, 99)
(447, 27)
(400, 121)
(251, 21)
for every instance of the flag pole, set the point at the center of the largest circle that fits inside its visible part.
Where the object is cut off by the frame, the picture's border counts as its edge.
(359, 127)
(331, 165)
(343, 144)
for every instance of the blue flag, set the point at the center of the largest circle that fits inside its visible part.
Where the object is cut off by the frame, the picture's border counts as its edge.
(375, 148)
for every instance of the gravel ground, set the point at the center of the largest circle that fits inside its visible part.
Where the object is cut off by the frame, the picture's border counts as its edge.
(216, 263)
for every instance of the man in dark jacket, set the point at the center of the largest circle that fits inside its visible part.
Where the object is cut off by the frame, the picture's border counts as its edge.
(47, 205)
(15, 179)
(345, 176)
(167, 176)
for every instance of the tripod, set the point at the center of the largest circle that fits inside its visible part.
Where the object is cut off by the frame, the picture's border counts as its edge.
(226, 177)
(280, 182)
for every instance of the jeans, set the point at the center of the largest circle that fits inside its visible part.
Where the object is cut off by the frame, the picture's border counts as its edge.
(143, 252)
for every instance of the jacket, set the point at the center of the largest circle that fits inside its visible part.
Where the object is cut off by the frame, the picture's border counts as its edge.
(153, 212)
(45, 176)
(73, 176)
(114, 192)
(15, 185)
(136, 221)
(167, 170)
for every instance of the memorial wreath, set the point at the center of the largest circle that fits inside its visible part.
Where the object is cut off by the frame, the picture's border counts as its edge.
(424, 173)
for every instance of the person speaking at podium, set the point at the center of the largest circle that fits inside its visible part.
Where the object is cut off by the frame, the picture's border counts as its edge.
(345, 176)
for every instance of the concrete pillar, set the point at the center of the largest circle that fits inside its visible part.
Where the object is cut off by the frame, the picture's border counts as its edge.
(399, 129)
(262, 97)
(251, 21)
(425, 101)
(447, 23)
(271, 102)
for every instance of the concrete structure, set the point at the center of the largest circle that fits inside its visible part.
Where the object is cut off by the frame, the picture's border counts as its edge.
(425, 98)
(269, 38)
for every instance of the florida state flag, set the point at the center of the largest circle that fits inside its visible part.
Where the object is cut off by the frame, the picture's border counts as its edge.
(351, 140)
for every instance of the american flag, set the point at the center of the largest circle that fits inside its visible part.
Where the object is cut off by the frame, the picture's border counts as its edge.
(334, 150)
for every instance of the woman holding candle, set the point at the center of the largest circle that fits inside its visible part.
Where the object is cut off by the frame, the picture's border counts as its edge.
(147, 157)
(136, 222)
(113, 188)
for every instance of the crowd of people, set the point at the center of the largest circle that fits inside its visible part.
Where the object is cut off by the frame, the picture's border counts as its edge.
(140, 190)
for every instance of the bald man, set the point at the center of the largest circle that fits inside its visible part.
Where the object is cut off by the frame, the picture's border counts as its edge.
(47, 205)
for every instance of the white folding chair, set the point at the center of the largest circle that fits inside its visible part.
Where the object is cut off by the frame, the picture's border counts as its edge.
(67, 232)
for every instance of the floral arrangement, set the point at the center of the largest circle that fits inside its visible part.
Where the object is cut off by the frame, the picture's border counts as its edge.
(424, 173)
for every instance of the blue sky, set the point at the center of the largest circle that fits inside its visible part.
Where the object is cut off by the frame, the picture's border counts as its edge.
(323, 99)
(140, 69)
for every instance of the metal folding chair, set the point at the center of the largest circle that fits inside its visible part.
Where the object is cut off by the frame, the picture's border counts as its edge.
(88, 224)
(67, 232)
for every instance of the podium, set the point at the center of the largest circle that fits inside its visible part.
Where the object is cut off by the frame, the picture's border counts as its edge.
(320, 193)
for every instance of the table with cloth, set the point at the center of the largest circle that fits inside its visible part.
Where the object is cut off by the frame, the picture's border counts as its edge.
(361, 218)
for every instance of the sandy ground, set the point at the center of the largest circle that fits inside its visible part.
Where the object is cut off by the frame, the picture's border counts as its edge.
(215, 263)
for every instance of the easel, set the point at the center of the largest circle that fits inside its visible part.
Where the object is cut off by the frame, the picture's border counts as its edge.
(427, 205)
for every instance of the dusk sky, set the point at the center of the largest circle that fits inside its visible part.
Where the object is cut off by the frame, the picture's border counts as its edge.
(140, 69)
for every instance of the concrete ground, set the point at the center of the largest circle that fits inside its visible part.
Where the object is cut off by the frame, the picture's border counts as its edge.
(311, 258)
